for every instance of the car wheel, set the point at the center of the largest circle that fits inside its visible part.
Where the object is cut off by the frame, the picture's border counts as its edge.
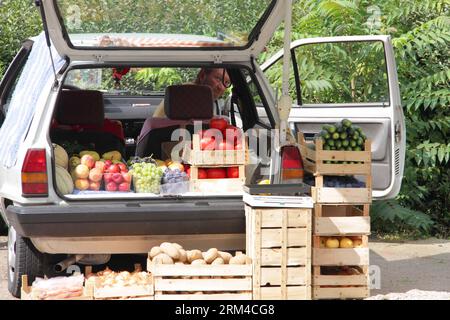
(23, 258)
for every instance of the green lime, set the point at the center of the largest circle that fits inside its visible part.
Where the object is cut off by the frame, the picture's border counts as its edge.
(338, 144)
(331, 129)
(345, 143)
(335, 136)
(343, 135)
(330, 143)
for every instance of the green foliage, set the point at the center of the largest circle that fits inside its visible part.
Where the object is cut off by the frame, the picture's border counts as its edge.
(19, 19)
(389, 216)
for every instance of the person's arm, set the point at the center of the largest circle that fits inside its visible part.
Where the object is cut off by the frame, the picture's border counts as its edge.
(159, 112)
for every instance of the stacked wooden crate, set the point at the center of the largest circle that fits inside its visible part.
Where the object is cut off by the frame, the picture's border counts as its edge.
(339, 273)
(279, 243)
(205, 159)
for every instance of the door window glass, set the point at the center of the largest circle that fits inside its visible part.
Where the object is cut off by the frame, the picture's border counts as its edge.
(342, 72)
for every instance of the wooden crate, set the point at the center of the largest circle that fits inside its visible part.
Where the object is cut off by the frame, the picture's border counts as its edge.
(338, 286)
(279, 243)
(341, 220)
(315, 158)
(217, 185)
(132, 292)
(201, 282)
(314, 161)
(25, 292)
(198, 157)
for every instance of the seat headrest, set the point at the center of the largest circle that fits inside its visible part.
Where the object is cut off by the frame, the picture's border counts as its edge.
(82, 107)
(188, 101)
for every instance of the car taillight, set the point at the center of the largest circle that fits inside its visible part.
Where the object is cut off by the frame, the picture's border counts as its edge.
(291, 163)
(34, 174)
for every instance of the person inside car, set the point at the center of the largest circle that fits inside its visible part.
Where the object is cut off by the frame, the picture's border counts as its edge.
(216, 78)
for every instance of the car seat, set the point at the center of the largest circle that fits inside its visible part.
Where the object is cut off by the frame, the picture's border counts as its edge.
(80, 117)
(183, 104)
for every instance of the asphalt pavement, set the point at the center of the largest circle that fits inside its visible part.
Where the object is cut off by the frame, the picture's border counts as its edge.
(396, 267)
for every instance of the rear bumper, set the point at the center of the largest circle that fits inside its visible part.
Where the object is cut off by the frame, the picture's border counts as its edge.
(179, 217)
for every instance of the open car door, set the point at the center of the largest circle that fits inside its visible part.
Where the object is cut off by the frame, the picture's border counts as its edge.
(351, 77)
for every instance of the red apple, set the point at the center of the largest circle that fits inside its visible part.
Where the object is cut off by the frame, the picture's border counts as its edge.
(108, 163)
(126, 176)
(88, 161)
(111, 186)
(123, 167)
(107, 177)
(117, 178)
(114, 168)
(124, 186)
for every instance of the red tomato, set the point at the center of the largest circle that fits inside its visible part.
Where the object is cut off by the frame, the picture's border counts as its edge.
(233, 172)
(216, 173)
(207, 144)
(218, 123)
(225, 146)
(233, 133)
(202, 174)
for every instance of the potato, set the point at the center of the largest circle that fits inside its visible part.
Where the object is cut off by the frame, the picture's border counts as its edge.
(226, 256)
(170, 250)
(198, 262)
(183, 255)
(218, 260)
(194, 255)
(210, 255)
(176, 245)
(154, 252)
(162, 258)
(239, 259)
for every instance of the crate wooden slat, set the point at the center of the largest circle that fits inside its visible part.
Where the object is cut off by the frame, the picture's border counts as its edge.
(341, 293)
(341, 226)
(220, 282)
(279, 243)
(341, 195)
(198, 157)
(292, 293)
(295, 276)
(315, 159)
(25, 292)
(340, 257)
(95, 289)
(337, 280)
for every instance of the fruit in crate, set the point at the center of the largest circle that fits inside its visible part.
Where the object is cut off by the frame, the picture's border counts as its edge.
(346, 243)
(88, 161)
(216, 173)
(64, 182)
(337, 182)
(112, 155)
(81, 171)
(61, 156)
(332, 243)
(116, 177)
(93, 154)
(73, 162)
(233, 172)
(95, 175)
(174, 176)
(218, 123)
(82, 184)
(146, 177)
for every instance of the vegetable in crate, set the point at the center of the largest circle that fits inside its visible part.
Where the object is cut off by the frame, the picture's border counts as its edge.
(343, 136)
